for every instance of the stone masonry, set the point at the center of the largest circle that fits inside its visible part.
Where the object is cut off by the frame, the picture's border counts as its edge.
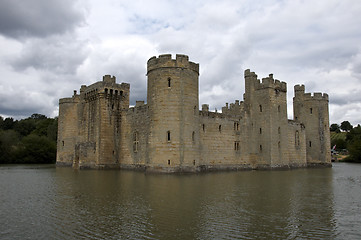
(98, 129)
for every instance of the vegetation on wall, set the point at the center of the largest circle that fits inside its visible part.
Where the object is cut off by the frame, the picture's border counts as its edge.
(30, 140)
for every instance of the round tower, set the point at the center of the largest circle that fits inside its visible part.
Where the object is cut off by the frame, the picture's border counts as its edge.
(172, 99)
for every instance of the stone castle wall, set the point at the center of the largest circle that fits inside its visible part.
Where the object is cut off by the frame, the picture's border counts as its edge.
(98, 129)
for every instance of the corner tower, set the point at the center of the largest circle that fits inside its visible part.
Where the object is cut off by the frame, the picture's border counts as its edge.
(172, 98)
(312, 111)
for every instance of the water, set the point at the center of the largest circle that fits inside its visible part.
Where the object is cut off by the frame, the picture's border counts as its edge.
(44, 202)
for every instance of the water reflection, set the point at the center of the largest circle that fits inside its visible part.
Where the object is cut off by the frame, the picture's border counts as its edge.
(68, 204)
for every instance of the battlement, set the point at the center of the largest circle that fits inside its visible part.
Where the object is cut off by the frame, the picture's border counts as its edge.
(166, 61)
(109, 79)
(300, 92)
(315, 96)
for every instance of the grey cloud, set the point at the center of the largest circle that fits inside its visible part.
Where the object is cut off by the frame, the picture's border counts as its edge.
(38, 18)
(59, 54)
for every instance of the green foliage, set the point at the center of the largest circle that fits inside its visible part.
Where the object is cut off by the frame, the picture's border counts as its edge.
(30, 140)
(36, 149)
(346, 126)
(335, 127)
(354, 144)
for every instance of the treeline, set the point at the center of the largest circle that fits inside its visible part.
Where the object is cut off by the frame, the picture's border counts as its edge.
(30, 140)
(349, 139)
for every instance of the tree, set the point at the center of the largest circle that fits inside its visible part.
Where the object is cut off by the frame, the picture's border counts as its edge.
(353, 139)
(346, 126)
(37, 149)
(335, 127)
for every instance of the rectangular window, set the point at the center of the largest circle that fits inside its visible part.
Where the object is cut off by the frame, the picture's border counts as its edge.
(168, 136)
(236, 146)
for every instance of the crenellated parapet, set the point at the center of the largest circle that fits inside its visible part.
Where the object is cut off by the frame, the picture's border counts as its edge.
(268, 82)
(300, 93)
(166, 61)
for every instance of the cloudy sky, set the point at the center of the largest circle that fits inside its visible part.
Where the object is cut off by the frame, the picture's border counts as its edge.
(50, 47)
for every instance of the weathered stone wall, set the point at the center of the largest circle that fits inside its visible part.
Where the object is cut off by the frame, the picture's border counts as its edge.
(67, 130)
(296, 144)
(134, 137)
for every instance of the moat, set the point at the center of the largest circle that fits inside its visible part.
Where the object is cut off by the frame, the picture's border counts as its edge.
(44, 202)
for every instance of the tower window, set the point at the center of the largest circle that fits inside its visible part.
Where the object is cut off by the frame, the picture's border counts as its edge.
(220, 128)
(236, 146)
(193, 137)
(279, 130)
(169, 82)
(310, 110)
(236, 126)
(260, 108)
(260, 130)
(194, 162)
(204, 127)
(279, 108)
(260, 148)
(310, 144)
(168, 136)
(63, 143)
(168, 162)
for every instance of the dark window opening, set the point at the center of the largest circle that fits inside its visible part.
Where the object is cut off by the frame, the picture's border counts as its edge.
(63, 143)
(279, 108)
(311, 110)
(194, 162)
(204, 127)
(193, 136)
(168, 162)
(260, 148)
(168, 136)
(260, 108)
(279, 130)
(121, 93)
(169, 80)
(236, 126)
(310, 144)
(106, 91)
(220, 128)
(260, 130)
(236, 146)
(111, 92)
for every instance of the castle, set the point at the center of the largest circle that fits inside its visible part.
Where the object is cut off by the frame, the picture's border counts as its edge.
(98, 129)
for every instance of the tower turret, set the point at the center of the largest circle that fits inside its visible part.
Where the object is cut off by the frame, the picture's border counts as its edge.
(172, 99)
